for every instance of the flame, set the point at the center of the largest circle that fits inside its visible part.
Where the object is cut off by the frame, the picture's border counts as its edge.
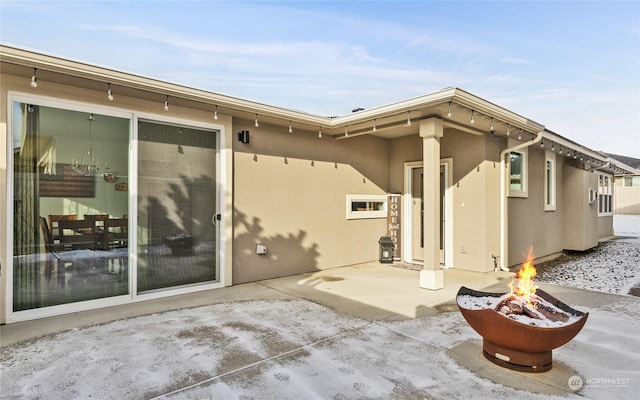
(522, 284)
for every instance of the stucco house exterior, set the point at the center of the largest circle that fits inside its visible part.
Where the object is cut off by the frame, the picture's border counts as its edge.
(118, 188)
(626, 186)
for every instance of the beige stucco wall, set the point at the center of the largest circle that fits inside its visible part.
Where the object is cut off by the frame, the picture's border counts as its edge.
(476, 198)
(529, 224)
(290, 195)
(626, 199)
(581, 222)
(605, 227)
(99, 99)
(474, 192)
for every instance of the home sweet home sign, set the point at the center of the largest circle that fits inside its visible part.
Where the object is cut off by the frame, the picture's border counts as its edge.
(394, 225)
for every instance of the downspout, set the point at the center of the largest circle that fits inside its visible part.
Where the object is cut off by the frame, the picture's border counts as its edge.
(503, 198)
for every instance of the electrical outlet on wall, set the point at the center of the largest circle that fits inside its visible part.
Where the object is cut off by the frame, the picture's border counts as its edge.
(261, 249)
(463, 249)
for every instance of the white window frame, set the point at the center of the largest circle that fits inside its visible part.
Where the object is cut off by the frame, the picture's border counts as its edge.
(524, 174)
(550, 181)
(373, 198)
(605, 195)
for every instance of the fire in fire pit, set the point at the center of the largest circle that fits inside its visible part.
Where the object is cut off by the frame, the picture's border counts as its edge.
(520, 328)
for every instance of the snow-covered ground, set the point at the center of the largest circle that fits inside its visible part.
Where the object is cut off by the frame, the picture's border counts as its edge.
(628, 225)
(612, 267)
(296, 349)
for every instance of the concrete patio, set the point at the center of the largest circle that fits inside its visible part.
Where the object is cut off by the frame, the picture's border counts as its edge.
(371, 291)
(364, 331)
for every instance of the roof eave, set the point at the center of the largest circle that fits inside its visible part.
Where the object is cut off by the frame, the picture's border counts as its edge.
(60, 65)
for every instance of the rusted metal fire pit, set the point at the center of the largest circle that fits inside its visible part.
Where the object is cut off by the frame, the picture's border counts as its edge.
(516, 345)
(520, 328)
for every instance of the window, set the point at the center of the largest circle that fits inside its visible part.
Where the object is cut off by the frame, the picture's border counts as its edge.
(631, 181)
(517, 174)
(366, 206)
(550, 182)
(605, 195)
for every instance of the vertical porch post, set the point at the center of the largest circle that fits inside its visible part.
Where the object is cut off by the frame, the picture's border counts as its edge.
(431, 276)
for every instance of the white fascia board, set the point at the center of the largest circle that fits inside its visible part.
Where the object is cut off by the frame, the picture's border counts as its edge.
(626, 169)
(569, 144)
(83, 70)
(455, 95)
(64, 66)
(488, 108)
(399, 107)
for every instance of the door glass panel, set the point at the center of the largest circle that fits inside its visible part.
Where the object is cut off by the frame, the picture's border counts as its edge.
(417, 194)
(70, 226)
(421, 210)
(176, 205)
(443, 188)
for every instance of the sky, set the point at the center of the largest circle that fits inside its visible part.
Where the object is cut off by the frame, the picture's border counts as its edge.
(573, 66)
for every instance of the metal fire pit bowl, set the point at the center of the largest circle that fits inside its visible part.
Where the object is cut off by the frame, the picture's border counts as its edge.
(514, 345)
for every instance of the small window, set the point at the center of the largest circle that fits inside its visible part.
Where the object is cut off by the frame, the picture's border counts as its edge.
(605, 195)
(550, 182)
(631, 181)
(366, 206)
(517, 174)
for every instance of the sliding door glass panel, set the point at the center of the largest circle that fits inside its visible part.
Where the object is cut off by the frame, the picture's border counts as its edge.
(176, 205)
(64, 172)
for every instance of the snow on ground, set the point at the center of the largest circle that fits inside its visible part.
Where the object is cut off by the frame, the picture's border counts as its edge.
(295, 349)
(626, 225)
(612, 267)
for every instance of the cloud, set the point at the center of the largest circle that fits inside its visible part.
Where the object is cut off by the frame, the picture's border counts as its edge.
(325, 61)
(512, 60)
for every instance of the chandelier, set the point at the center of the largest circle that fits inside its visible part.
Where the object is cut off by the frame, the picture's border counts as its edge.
(88, 164)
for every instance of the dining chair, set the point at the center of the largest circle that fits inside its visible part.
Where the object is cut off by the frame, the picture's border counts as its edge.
(101, 238)
(77, 234)
(53, 224)
(51, 262)
(116, 232)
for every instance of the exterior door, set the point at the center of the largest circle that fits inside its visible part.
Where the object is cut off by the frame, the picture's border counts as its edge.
(177, 192)
(417, 212)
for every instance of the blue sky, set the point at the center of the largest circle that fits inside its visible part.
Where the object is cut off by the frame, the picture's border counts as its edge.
(572, 66)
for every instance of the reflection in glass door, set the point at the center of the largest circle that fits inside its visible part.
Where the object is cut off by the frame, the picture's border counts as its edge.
(177, 188)
(70, 226)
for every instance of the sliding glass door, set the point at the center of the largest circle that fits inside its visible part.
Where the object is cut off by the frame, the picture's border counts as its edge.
(70, 206)
(177, 192)
(73, 191)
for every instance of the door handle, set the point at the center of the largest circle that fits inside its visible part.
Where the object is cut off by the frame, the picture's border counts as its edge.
(215, 218)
